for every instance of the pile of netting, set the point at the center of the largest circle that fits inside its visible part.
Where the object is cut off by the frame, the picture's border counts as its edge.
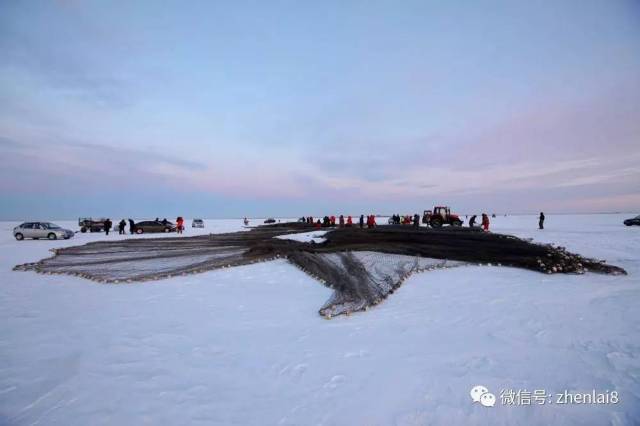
(363, 267)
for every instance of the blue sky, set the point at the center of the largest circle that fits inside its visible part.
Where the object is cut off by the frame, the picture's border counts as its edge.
(227, 109)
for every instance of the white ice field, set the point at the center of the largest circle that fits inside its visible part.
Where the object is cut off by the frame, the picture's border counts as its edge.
(246, 345)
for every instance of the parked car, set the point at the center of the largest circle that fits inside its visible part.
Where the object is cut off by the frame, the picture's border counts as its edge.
(37, 230)
(154, 226)
(197, 223)
(270, 220)
(633, 221)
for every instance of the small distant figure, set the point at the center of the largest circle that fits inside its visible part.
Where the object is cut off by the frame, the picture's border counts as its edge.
(317, 224)
(157, 219)
(472, 221)
(165, 221)
(371, 221)
(349, 221)
(332, 220)
(541, 221)
(485, 222)
(341, 221)
(107, 226)
(179, 224)
(416, 220)
(121, 227)
(132, 226)
(361, 221)
(245, 221)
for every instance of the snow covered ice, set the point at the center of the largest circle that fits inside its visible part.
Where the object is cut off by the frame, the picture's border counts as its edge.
(246, 346)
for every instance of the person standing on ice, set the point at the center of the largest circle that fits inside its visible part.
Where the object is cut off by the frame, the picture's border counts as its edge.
(180, 223)
(349, 221)
(472, 221)
(132, 226)
(485, 222)
(541, 221)
(107, 226)
(371, 221)
(121, 226)
(341, 221)
(361, 221)
(416, 221)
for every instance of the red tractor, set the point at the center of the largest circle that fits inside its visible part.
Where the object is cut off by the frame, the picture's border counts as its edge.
(441, 216)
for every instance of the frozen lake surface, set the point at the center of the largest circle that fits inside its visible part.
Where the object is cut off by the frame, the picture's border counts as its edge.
(246, 346)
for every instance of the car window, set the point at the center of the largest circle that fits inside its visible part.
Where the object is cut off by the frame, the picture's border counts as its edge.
(28, 225)
(49, 225)
(147, 223)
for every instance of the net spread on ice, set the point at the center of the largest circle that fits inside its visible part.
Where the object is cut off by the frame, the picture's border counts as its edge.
(362, 266)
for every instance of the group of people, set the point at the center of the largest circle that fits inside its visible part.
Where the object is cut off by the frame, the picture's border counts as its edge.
(408, 219)
(108, 224)
(341, 221)
(485, 222)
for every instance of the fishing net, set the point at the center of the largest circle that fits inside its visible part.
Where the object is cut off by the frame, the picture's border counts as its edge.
(362, 266)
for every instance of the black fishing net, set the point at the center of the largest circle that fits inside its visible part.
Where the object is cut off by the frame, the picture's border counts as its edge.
(362, 266)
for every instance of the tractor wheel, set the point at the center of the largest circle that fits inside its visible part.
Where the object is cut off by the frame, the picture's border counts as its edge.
(83, 229)
(436, 222)
(456, 223)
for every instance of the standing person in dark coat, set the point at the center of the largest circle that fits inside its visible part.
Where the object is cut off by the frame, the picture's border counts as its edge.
(541, 221)
(341, 221)
(121, 226)
(416, 221)
(132, 226)
(107, 226)
(472, 221)
(361, 221)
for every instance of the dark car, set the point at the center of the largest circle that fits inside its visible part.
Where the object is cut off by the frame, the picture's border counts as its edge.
(270, 220)
(153, 226)
(633, 221)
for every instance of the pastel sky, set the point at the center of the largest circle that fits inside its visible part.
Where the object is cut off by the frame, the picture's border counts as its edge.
(285, 108)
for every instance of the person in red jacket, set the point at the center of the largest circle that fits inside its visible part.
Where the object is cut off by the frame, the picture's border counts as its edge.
(349, 221)
(371, 221)
(179, 224)
(332, 220)
(485, 222)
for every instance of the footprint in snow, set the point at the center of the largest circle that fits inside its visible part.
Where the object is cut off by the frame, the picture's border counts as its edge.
(334, 382)
(357, 354)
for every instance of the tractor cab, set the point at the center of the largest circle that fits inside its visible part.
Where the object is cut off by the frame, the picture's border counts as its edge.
(443, 212)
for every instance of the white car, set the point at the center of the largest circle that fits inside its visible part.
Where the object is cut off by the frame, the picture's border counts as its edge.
(197, 223)
(37, 230)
